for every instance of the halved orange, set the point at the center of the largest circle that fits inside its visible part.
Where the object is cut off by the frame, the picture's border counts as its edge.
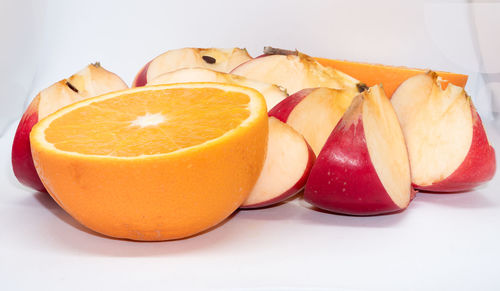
(389, 76)
(154, 163)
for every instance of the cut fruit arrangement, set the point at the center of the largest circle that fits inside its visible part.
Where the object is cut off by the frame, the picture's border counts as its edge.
(207, 131)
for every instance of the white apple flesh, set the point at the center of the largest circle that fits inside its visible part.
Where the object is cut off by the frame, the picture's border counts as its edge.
(314, 113)
(272, 93)
(447, 144)
(286, 168)
(217, 59)
(92, 81)
(363, 169)
(294, 73)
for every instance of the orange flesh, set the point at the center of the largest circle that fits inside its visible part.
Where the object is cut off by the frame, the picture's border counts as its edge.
(389, 76)
(123, 191)
(149, 123)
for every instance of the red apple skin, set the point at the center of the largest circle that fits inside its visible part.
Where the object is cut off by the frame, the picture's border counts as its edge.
(141, 79)
(231, 72)
(352, 187)
(293, 190)
(257, 57)
(22, 162)
(282, 110)
(478, 167)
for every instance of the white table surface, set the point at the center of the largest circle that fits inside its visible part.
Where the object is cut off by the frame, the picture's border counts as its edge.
(441, 242)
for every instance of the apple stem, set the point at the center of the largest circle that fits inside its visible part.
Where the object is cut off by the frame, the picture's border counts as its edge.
(268, 50)
(71, 86)
(97, 64)
(361, 87)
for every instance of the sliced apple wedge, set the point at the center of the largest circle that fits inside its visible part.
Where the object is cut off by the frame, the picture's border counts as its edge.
(314, 113)
(295, 72)
(92, 81)
(217, 59)
(286, 168)
(272, 93)
(363, 169)
(448, 147)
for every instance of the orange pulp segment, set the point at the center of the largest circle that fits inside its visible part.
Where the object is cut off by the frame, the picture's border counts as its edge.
(149, 123)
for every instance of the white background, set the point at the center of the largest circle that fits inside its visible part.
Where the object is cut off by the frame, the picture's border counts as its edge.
(442, 242)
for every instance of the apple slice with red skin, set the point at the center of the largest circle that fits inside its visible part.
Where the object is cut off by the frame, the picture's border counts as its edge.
(217, 59)
(294, 72)
(363, 169)
(286, 168)
(92, 81)
(447, 144)
(315, 112)
(141, 79)
(272, 93)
